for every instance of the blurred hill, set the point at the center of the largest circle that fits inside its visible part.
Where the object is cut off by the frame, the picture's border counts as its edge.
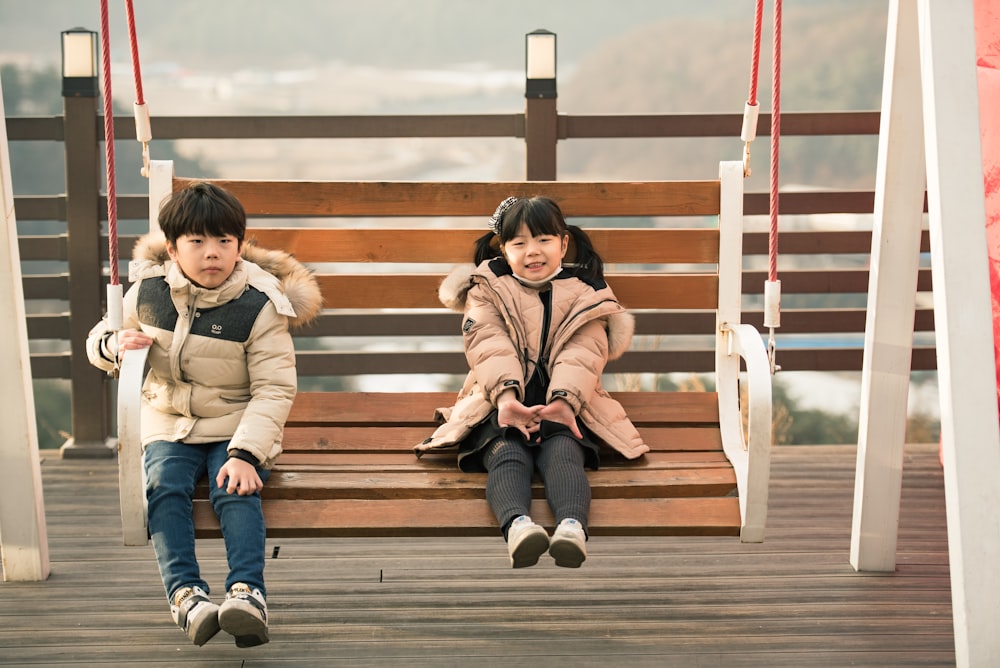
(457, 56)
(832, 60)
(235, 34)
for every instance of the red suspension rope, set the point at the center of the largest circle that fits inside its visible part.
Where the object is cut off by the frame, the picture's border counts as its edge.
(109, 145)
(751, 108)
(772, 274)
(136, 70)
(755, 58)
(143, 131)
(114, 288)
(772, 287)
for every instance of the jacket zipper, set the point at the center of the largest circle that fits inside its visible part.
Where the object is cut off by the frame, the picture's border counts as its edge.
(544, 335)
(177, 346)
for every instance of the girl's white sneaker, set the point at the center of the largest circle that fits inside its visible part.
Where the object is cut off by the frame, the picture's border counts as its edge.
(569, 544)
(526, 541)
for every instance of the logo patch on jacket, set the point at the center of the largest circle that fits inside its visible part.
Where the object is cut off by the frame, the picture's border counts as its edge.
(467, 325)
(231, 321)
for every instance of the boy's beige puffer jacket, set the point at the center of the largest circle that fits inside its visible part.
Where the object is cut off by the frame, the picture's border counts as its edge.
(223, 365)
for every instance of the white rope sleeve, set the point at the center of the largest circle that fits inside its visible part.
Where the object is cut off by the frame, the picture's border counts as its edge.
(750, 112)
(772, 304)
(115, 307)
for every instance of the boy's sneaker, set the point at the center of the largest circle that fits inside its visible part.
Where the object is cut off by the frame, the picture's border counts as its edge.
(244, 616)
(569, 544)
(196, 614)
(526, 541)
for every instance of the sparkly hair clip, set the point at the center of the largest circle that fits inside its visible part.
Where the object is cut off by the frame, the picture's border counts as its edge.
(498, 214)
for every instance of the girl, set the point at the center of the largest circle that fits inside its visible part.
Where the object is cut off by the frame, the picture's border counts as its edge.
(537, 336)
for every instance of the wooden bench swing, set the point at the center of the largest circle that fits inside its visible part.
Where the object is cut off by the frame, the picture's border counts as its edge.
(348, 468)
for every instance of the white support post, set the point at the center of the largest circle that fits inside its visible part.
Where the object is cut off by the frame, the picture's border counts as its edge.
(895, 261)
(970, 432)
(23, 535)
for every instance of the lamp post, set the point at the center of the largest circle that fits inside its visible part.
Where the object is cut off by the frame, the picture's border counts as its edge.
(79, 63)
(540, 117)
(540, 64)
(81, 142)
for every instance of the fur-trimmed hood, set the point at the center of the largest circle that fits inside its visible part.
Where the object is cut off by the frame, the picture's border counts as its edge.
(292, 283)
(454, 290)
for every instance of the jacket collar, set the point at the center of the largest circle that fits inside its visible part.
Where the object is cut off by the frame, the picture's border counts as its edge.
(455, 287)
(289, 284)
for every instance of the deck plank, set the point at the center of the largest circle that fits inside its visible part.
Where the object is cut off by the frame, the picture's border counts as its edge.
(638, 601)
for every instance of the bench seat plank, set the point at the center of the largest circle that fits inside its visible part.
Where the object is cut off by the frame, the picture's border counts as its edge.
(322, 483)
(445, 461)
(324, 440)
(449, 517)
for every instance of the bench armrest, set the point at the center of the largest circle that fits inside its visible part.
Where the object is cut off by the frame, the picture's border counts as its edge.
(749, 450)
(131, 485)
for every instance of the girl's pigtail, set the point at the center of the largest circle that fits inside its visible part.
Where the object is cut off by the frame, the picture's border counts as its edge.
(485, 249)
(589, 265)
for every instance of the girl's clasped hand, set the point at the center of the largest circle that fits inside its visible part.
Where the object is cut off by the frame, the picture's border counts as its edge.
(528, 419)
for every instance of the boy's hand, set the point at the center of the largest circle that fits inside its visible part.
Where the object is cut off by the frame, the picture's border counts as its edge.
(132, 339)
(512, 413)
(243, 478)
(560, 411)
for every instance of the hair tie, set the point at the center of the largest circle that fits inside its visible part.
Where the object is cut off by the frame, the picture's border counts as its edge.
(498, 214)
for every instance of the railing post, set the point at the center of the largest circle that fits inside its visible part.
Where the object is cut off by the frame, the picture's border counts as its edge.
(541, 126)
(88, 389)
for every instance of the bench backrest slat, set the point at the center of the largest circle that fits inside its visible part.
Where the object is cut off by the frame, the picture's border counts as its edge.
(451, 246)
(636, 291)
(376, 198)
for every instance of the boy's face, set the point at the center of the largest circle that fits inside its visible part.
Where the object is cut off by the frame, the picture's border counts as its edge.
(206, 261)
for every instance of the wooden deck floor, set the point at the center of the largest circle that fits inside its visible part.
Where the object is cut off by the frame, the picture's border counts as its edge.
(792, 601)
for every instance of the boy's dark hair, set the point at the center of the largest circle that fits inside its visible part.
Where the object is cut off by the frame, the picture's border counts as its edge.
(202, 209)
(542, 216)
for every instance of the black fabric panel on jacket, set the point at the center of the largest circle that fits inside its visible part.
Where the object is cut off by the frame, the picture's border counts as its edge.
(232, 321)
(154, 307)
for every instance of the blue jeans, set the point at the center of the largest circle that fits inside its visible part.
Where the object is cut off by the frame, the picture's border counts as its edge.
(172, 471)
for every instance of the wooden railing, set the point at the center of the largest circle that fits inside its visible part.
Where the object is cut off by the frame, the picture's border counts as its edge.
(823, 266)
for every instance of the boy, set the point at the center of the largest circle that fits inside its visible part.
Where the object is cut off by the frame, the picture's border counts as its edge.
(215, 313)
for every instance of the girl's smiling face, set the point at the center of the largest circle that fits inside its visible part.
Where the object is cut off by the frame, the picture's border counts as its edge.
(535, 257)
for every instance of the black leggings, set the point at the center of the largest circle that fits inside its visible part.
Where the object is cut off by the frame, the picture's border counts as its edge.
(511, 463)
